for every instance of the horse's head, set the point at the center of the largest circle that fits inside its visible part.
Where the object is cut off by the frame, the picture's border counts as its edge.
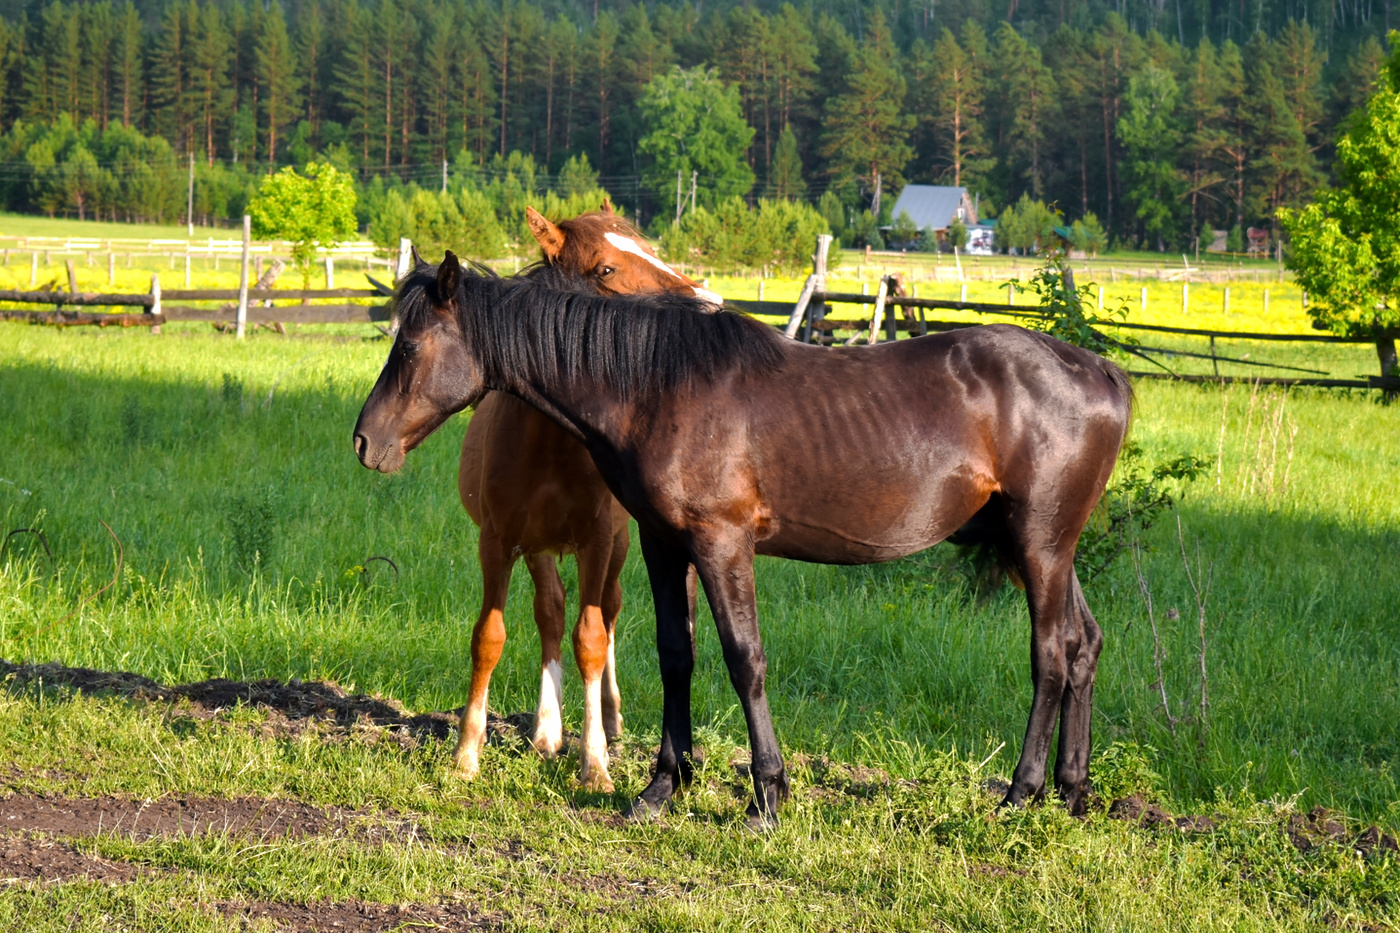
(608, 251)
(430, 373)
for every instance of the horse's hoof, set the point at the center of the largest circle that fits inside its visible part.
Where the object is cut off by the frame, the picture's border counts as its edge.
(466, 771)
(758, 822)
(644, 811)
(598, 784)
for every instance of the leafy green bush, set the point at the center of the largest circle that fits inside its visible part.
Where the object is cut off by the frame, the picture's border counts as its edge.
(777, 234)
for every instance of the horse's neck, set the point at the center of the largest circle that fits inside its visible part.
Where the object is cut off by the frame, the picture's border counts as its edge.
(587, 411)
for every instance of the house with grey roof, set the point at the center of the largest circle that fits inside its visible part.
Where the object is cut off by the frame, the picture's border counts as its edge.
(935, 206)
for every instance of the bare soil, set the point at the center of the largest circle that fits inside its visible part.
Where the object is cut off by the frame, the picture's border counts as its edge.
(294, 701)
(358, 916)
(39, 858)
(78, 817)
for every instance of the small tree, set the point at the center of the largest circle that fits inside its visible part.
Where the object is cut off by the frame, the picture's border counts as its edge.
(577, 177)
(1346, 244)
(312, 209)
(957, 234)
(928, 243)
(904, 230)
(1234, 240)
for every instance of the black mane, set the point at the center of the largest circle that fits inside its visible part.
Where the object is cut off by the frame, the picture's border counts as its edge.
(543, 325)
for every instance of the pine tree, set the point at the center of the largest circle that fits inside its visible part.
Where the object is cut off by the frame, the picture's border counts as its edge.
(277, 80)
(785, 175)
(1028, 107)
(311, 60)
(169, 77)
(956, 85)
(53, 64)
(1150, 135)
(601, 65)
(355, 74)
(1281, 164)
(98, 39)
(1206, 139)
(866, 129)
(127, 72)
(209, 83)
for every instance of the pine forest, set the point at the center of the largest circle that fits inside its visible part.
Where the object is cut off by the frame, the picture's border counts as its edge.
(1160, 120)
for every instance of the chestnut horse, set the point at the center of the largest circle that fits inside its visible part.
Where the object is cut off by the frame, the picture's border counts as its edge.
(533, 491)
(708, 429)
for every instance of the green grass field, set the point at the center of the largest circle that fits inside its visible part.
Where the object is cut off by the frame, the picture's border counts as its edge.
(226, 471)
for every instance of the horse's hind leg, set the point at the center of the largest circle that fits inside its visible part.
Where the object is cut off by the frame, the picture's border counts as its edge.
(592, 641)
(1072, 760)
(549, 619)
(612, 607)
(488, 638)
(1065, 644)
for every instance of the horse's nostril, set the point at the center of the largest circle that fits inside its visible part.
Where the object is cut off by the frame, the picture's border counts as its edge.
(361, 445)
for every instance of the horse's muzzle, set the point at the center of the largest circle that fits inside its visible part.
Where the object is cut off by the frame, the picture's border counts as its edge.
(386, 458)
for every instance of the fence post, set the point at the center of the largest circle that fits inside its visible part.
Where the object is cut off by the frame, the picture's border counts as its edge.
(1185, 298)
(1144, 299)
(111, 268)
(242, 319)
(33, 268)
(187, 268)
(155, 301)
(330, 272)
(963, 296)
(1385, 349)
(405, 258)
(1227, 300)
(72, 277)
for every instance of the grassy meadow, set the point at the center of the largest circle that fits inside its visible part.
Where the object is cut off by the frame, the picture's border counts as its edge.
(246, 525)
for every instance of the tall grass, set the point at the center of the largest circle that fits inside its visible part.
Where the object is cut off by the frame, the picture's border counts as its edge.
(246, 526)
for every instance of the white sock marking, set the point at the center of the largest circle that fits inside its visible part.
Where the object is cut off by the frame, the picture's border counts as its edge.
(548, 723)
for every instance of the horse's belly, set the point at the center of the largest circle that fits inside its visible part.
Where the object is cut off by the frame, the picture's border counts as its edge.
(874, 523)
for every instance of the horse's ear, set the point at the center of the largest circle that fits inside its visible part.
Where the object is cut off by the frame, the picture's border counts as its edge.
(550, 237)
(417, 260)
(449, 278)
(607, 206)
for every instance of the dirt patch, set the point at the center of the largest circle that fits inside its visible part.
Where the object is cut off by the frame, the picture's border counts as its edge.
(357, 916)
(76, 817)
(1319, 827)
(294, 700)
(1138, 811)
(26, 858)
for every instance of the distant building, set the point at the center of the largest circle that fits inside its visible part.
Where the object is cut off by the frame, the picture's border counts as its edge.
(935, 206)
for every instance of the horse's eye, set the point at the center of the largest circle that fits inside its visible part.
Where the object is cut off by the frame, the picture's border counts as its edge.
(409, 347)
(605, 270)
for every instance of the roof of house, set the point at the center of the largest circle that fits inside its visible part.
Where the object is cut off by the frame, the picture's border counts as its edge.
(929, 205)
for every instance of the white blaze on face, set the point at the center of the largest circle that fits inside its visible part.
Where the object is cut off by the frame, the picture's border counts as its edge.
(704, 294)
(629, 245)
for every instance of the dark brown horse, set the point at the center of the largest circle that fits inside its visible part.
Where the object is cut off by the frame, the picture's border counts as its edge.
(705, 428)
(534, 493)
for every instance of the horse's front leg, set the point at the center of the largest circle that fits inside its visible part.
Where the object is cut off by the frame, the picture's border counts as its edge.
(612, 608)
(667, 565)
(726, 569)
(592, 651)
(549, 619)
(488, 639)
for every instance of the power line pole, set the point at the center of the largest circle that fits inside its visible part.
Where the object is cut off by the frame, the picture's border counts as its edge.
(678, 197)
(694, 176)
(444, 178)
